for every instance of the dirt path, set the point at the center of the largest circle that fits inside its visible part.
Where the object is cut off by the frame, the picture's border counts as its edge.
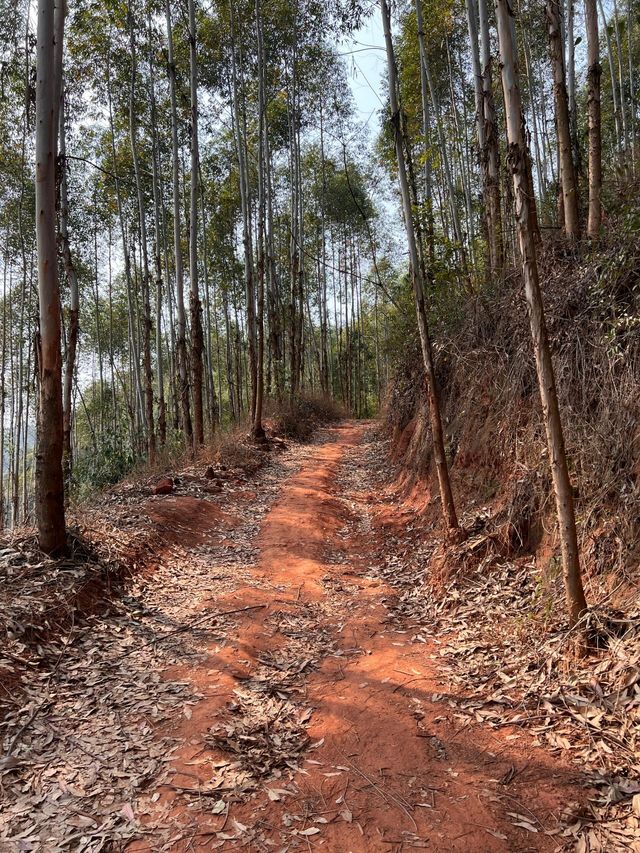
(332, 717)
(257, 690)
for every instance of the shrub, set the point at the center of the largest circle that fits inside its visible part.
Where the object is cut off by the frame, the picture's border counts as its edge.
(103, 466)
(297, 418)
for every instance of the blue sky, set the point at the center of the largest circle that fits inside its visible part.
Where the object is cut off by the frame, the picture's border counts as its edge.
(366, 61)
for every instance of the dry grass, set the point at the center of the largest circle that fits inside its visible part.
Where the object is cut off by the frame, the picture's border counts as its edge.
(233, 448)
(299, 417)
(495, 434)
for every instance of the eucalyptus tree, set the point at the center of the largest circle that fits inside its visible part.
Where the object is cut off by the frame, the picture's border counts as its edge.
(417, 278)
(73, 329)
(197, 343)
(563, 125)
(181, 330)
(443, 146)
(517, 159)
(49, 475)
(594, 72)
(144, 250)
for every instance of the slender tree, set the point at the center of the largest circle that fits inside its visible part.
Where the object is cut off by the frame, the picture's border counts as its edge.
(257, 427)
(444, 148)
(73, 326)
(181, 329)
(195, 305)
(146, 274)
(594, 72)
(565, 147)
(491, 152)
(417, 278)
(49, 475)
(517, 160)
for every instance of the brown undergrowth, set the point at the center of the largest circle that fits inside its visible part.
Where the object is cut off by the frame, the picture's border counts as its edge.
(298, 418)
(495, 435)
(497, 596)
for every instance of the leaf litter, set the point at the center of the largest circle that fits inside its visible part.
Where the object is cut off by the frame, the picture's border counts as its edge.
(82, 760)
(86, 642)
(505, 649)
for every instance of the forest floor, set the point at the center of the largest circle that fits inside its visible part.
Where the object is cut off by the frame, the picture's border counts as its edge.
(264, 685)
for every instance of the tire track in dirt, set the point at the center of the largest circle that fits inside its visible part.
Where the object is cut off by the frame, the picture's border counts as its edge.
(325, 728)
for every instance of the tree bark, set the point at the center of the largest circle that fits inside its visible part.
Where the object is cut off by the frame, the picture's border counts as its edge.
(517, 158)
(195, 305)
(181, 331)
(444, 482)
(571, 85)
(594, 72)
(472, 24)
(492, 149)
(49, 475)
(257, 428)
(245, 202)
(567, 167)
(614, 85)
(157, 239)
(424, 60)
(146, 276)
(74, 300)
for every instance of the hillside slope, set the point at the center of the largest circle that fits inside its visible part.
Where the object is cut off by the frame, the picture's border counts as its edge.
(495, 435)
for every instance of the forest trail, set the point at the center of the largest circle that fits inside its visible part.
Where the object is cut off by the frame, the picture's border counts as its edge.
(265, 685)
(319, 685)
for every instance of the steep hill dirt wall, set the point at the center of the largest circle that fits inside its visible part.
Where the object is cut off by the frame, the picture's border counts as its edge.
(495, 437)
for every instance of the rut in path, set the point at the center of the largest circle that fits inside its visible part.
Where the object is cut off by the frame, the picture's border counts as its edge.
(324, 708)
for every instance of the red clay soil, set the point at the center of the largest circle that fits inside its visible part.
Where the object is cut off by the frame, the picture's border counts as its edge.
(390, 769)
(185, 520)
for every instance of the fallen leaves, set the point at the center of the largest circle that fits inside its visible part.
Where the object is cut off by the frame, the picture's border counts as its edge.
(507, 661)
(267, 734)
(82, 762)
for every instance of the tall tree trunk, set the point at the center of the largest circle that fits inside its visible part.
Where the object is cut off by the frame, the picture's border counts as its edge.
(416, 271)
(492, 149)
(594, 72)
(424, 60)
(571, 84)
(567, 168)
(614, 84)
(623, 106)
(245, 203)
(532, 91)
(49, 474)
(632, 97)
(181, 331)
(517, 158)
(211, 324)
(428, 166)
(257, 428)
(195, 306)
(136, 387)
(472, 23)
(74, 299)
(146, 276)
(158, 206)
